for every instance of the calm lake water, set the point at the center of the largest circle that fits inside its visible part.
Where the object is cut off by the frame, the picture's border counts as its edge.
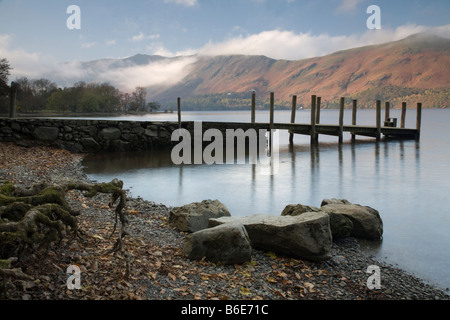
(408, 182)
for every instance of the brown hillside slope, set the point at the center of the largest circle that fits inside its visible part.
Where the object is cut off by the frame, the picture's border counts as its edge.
(419, 61)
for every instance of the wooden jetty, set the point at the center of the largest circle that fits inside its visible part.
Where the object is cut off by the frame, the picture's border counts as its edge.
(388, 128)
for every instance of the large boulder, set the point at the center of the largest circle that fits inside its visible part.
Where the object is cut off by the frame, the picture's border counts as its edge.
(340, 225)
(365, 221)
(306, 236)
(227, 243)
(194, 216)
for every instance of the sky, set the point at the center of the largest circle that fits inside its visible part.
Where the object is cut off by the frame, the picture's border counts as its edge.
(35, 37)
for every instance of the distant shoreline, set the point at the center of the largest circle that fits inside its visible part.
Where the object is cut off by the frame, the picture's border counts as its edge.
(143, 113)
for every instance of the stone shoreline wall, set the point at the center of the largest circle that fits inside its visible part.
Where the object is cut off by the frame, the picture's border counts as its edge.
(81, 136)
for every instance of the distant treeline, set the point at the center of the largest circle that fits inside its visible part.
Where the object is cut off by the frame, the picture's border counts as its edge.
(42, 95)
(224, 101)
(430, 98)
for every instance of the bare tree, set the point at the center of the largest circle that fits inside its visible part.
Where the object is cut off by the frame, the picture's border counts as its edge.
(4, 74)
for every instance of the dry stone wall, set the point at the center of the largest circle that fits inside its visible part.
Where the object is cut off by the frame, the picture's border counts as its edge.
(81, 136)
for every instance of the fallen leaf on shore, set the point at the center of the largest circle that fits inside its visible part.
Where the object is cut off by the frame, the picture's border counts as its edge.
(245, 291)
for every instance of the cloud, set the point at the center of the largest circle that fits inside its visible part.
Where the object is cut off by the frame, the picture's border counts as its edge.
(187, 3)
(35, 65)
(142, 36)
(160, 50)
(167, 72)
(348, 6)
(30, 64)
(87, 45)
(280, 44)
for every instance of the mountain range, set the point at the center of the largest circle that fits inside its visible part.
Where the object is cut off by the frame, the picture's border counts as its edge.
(414, 69)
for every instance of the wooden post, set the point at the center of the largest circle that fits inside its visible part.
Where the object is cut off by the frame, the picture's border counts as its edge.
(319, 101)
(12, 101)
(313, 119)
(403, 118)
(253, 107)
(341, 119)
(354, 108)
(418, 120)
(378, 134)
(294, 107)
(272, 100)
(387, 110)
(179, 112)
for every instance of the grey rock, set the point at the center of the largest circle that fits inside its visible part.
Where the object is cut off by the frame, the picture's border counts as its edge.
(151, 133)
(334, 201)
(367, 223)
(119, 146)
(194, 216)
(46, 133)
(297, 209)
(110, 134)
(228, 244)
(306, 236)
(89, 144)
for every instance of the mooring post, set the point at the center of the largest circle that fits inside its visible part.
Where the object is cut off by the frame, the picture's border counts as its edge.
(387, 113)
(319, 101)
(294, 107)
(403, 118)
(341, 119)
(313, 119)
(354, 108)
(12, 101)
(419, 119)
(378, 134)
(272, 102)
(253, 107)
(179, 112)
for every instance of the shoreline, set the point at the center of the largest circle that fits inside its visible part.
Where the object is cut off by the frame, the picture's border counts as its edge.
(159, 269)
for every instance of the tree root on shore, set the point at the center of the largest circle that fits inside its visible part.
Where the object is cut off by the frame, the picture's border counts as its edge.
(37, 217)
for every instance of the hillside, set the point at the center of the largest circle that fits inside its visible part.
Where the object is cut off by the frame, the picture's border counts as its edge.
(417, 67)
(414, 69)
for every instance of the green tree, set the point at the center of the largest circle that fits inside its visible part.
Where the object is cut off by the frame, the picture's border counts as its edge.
(153, 106)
